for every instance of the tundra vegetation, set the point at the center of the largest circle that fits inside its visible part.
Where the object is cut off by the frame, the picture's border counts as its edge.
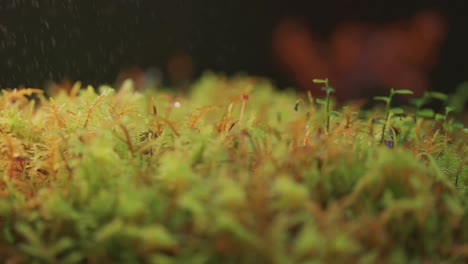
(232, 172)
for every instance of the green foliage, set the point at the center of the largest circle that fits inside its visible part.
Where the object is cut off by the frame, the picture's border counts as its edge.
(227, 174)
(328, 89)
(388, 109)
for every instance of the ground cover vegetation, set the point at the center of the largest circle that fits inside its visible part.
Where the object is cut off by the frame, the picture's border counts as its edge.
(233, 172)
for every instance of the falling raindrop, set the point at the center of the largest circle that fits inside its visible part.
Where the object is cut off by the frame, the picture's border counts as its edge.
(35, 3)
(46, 24)
(176, 104)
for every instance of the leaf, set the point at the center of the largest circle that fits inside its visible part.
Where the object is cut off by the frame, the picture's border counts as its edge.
(62, 245)
(426, 113)
(108, 230)
(439, 117)
(158, 235)
(321, 101)
(453, 205)
(418, 102)
(8, 235)
(449, 109)
(161, 258)
(73, 257)
(397, 111)
(438, 95)
(34, 251)
(290, 193)
(457, 125)
(308, 240)
(320, 80)
(378, 121)
(402, 91)
(346, 244)
(328, 89)
(232, 195)
(382, 98)
(27, 232)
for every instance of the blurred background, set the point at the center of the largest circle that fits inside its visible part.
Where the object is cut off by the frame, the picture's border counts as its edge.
(363, 46)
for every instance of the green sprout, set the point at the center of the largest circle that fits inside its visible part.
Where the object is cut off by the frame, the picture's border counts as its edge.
(327, 88)
(429, 113)
(447, 125)
(388, 109)
(423, 100)
(459, 99)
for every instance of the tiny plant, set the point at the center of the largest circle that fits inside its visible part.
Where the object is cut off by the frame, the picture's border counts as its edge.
(447, 124)
(327, 88)
(423, 100)
(388, 109)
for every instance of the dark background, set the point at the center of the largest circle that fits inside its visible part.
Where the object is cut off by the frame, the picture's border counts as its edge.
(93, 40)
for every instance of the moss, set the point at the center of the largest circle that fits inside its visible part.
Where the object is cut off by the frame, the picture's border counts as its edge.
(234, 172)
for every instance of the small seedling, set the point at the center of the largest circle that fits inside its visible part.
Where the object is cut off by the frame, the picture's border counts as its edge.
(423, 100)
(388, 109)
(447, 124)
(327, 88)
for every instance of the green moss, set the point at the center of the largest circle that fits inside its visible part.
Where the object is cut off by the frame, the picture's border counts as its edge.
(234, 172)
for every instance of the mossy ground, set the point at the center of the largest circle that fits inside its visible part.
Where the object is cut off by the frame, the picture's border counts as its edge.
(230, 173)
